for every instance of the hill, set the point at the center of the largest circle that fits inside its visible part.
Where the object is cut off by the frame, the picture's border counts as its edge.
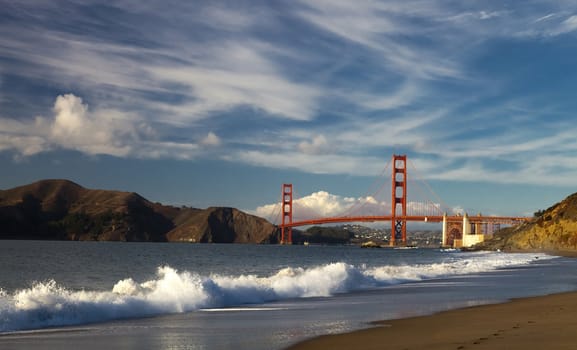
(552, 229)
(64, 210)
(323, 235)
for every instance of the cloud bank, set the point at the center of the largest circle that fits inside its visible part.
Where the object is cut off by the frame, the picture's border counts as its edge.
(323, 204)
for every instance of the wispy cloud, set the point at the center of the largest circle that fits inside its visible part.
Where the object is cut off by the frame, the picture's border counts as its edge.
(326, 87)
(374, 27)
(568, 25)
(234, 74)
(316, 164)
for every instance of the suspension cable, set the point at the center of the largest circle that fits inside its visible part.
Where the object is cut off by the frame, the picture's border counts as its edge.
(421, 178)
(357, 205)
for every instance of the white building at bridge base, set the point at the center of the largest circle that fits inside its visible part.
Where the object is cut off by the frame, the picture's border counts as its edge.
(461, 233)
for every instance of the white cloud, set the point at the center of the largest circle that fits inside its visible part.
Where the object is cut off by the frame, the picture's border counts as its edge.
(320, 203)
(568, 25)
(28, 138)
(488, 15)
(323, 204)
(318, 145)
(211, 140)
(74, 127)
(26, 145)
(102, 131)
(546, 17)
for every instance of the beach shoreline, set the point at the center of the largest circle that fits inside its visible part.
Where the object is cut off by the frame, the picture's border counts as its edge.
(544, 322)
(539, 322)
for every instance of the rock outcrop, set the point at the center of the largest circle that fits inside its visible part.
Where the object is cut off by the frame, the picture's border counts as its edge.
(553, 229)
(64, 210)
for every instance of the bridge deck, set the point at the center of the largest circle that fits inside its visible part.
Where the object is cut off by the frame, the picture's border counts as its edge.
(416, 218)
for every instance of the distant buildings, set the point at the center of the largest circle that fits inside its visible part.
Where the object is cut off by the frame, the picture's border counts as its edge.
(419, 238)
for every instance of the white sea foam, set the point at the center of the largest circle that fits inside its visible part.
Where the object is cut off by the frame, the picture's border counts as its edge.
(48, 304)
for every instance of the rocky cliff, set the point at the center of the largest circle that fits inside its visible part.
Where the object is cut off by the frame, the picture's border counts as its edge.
(553, 229)
(61, 209)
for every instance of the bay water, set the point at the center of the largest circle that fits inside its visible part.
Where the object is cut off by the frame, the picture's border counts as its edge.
(92, 295)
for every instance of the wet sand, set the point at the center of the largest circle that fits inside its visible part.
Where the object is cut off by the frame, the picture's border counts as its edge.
(547, 322)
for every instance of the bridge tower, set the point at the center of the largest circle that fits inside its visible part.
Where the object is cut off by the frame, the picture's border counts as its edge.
(399, 200)
(287, 214)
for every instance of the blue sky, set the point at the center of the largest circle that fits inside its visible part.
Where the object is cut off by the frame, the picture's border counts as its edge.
(208, 103)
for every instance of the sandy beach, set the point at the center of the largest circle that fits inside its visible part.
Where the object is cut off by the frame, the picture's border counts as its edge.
(545, 322)
(548, 322)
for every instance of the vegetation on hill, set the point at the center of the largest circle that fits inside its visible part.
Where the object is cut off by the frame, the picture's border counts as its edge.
(552, 229)
(63, 210)
(322, 234)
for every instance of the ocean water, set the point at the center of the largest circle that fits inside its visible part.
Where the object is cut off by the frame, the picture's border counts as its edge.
(65, 295)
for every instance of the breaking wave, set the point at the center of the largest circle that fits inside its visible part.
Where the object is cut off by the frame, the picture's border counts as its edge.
(48, 304)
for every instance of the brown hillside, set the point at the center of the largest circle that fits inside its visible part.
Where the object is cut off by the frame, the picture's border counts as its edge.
(554, 229)
(54, 195)
(61, 209)
(57, 195)
(222, 225)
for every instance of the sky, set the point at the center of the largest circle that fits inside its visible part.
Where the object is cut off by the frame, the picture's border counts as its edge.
(218, 103)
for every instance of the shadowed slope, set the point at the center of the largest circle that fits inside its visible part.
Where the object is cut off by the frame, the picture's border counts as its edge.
(61, 209)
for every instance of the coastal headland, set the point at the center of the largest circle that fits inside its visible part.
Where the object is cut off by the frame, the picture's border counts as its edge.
(64, 210)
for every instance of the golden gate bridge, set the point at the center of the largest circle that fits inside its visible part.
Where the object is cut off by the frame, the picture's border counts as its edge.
(459, 230)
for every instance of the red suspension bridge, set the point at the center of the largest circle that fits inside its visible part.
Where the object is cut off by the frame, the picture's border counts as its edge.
(458, 230)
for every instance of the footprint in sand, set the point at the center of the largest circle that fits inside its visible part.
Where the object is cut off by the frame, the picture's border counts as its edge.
(480, 340)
